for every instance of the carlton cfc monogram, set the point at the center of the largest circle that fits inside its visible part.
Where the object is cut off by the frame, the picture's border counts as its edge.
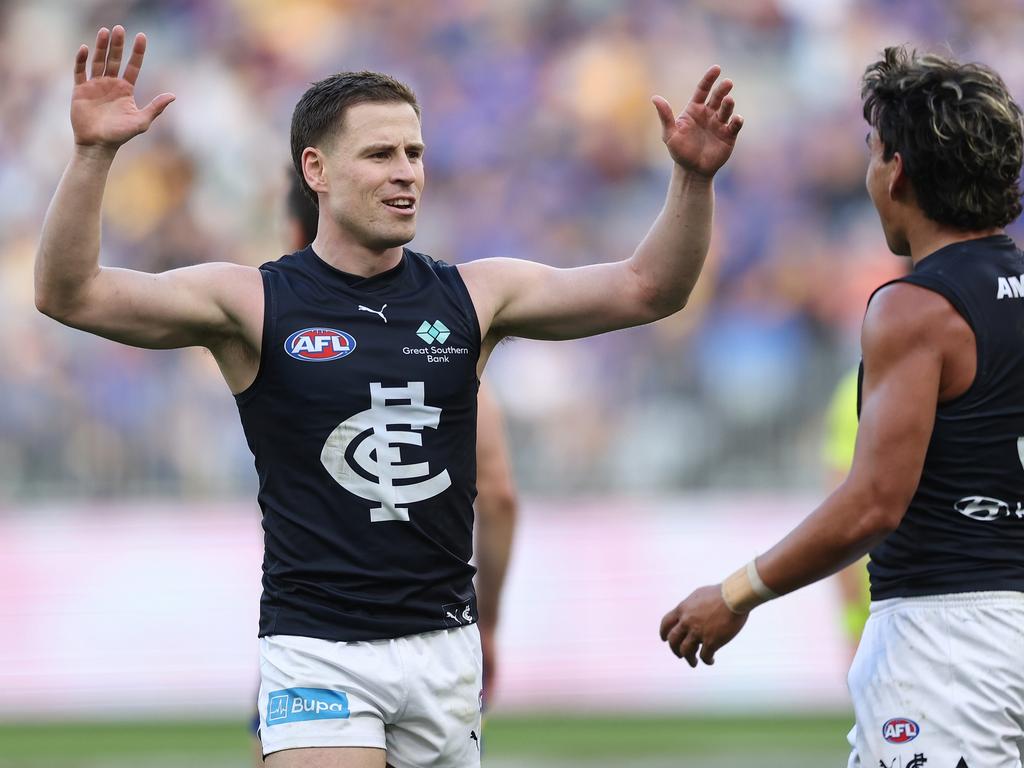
(376, 450)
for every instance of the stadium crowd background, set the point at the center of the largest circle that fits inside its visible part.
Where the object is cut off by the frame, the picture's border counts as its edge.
(542, 144)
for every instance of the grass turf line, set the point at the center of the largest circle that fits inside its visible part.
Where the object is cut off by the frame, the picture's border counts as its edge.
(555, 736)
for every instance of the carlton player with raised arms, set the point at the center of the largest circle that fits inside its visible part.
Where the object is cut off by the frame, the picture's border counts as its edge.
(936, 489)
(496, 507)
(354, 363)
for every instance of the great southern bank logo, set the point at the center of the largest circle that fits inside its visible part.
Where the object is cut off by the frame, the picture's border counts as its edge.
(430, 333)
(433, 334)
(296, 704)
(318, 345)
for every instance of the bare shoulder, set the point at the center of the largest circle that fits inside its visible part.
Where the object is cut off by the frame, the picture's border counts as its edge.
(489, 276)
(491, 281)
(909, 324)
(228, 269)
(224, 275)
(218, 278)
(238, 289)
(231, 285)
(903, 316)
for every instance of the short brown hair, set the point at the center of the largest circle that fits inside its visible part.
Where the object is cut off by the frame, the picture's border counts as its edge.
(321, 110)
(957, 130)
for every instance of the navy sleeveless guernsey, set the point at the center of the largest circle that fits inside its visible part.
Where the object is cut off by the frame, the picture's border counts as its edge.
(964, 528)
(362, 421)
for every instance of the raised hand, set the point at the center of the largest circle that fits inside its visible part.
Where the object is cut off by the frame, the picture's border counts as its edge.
(701, 138)
(701, 622)
(103, 109)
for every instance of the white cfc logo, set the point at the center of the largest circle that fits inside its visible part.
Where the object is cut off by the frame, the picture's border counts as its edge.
(376, 450)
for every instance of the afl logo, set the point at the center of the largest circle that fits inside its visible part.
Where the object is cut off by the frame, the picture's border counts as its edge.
(900, 730)
(318, 345)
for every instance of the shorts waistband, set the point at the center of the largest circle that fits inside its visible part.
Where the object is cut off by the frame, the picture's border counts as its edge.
(955, 600)
(470, 628)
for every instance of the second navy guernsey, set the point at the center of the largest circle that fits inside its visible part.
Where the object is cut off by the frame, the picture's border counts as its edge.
(964, 528)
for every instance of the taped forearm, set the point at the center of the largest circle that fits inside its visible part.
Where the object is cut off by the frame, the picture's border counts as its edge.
(744, 590)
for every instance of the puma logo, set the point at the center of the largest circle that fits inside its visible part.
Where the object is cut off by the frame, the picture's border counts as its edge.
(375, 311)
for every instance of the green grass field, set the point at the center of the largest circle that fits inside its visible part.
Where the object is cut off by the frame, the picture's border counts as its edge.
(557, 741)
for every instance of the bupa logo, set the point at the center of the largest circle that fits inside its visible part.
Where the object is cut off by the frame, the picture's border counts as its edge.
(318, 345)
(900, 730)
(296, 704)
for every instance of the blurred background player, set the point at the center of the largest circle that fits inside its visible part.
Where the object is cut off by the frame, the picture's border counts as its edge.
(355, 583)
(935, 489)
(496, 503)
(496, 508)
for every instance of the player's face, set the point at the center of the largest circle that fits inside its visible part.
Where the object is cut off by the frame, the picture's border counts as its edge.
(374, 171)
(879, 182)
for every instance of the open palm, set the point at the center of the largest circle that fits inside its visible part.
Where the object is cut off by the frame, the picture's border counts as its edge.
(103, 108)
(702, 136)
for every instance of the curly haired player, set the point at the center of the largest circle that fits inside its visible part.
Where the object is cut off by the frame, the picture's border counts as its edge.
(936, 489)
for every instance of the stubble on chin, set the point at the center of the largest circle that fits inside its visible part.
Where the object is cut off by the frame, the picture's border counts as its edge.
(381, 235)
(395, 238)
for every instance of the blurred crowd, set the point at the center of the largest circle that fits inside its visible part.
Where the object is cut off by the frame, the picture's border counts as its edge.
(541, 144)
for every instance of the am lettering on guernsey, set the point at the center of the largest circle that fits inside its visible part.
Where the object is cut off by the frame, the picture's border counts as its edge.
(1011, 287)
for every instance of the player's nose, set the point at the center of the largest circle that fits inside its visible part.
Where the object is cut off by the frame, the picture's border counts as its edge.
(402, 170)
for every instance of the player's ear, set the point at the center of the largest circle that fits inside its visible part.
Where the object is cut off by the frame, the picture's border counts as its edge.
(313, 169)
(898, 181)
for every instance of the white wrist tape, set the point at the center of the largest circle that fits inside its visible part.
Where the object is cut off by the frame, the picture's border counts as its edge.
(744, 590)
(759, 587)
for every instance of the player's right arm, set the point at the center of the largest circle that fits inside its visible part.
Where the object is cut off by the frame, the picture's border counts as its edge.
(203, 305)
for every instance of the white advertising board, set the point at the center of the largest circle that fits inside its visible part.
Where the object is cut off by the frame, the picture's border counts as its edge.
(143, 609)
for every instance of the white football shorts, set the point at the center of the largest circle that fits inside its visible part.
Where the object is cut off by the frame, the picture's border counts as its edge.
(938, 682)
(417, 697)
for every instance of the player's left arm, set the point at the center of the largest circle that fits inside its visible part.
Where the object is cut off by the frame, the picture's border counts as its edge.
(905, 339)
(496, 508)
(522, 298)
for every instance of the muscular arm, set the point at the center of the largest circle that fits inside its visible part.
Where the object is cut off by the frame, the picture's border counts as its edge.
(910, 339)
(495, 523)
(210, 305)
(183, 307)
(521, 298)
